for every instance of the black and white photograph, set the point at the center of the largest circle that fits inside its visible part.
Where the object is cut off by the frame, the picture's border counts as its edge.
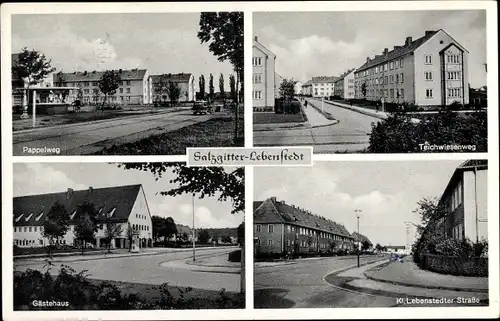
(371, 81)
(126, 84)
(128, 236)
(371, 234)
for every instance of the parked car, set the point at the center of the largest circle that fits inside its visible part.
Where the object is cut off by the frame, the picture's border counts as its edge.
(201, 108)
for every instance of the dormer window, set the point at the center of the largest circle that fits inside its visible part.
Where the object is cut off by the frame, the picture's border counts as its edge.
(112, 212)
(39, 216)
(28, 218)
(19, 217)
(72, 215)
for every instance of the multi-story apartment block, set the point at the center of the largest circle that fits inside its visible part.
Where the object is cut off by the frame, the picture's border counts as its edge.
(465, 201)
(283, 228)
(124, 205)
(322, 87)
(307, 88)
(298, 88)
(344, 86)
(429, 71)
(135, 86)
(263, 68)
(185, 82)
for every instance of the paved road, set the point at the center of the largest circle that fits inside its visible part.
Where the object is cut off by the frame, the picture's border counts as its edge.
(151, 270)
(349, 135)
(86, 138)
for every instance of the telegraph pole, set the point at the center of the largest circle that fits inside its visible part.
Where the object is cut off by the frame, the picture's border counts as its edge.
(357, 216)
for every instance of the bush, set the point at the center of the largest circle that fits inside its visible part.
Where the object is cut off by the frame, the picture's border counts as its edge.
(235, 256)
(399, 134)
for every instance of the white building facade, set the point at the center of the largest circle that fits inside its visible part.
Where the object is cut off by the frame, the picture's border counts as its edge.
(263, 77)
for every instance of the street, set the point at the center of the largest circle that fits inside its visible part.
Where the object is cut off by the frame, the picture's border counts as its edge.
(335, 282)
(349, 135)
(152, 269)
(90, 137)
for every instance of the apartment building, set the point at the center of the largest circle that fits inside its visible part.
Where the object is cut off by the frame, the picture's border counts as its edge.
(263, 77)
(320, 87)
(344, 86)
(359, 239)
(298, 88)
(429, 71)
(466, 202)
(283, 228)
(124, 205)
(185, 82)
(135, 86)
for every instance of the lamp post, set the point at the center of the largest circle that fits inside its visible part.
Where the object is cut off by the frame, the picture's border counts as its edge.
(194, 236)
(357, 216)
(407, 223)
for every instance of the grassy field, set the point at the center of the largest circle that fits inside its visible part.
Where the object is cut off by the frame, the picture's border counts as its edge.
(216, 132)
(273, 118)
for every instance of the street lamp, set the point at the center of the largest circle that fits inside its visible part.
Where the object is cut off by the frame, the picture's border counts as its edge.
(408, 233)
(194, 235)
(357, 216)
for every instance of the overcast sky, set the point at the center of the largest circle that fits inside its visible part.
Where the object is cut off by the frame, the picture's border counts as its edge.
(386, 192)
(159, 42)
(39, 178)
(310, 44)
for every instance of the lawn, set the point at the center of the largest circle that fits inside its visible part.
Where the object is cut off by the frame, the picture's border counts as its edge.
(273, 118)
(43, 250)
(216, 132)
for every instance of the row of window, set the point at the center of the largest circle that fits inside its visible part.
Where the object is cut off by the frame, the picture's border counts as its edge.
(395, 64)
(138, 227)
(455, 92)
(257, 94)
(257, 78)
(397, 78)
(453, 58)
(456, 197)
(302, 231)
(323, 85)
(28, 228)
(143, 217)
(30, 242)
(387, 93)
(453, 75)
(257, 61)
(93, 83)
(458, 232)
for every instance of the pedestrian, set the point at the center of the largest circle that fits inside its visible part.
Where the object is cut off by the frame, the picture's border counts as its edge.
(377, 106)
(305, 104)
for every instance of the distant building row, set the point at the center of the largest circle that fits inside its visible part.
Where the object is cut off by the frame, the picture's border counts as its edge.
(429, 71)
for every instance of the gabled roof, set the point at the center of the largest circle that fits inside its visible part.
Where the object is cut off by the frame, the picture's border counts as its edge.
(361, 237)
(399, 51)
(262, 48)
(119, 200)
(294, 215)
(345, 74)
(307, 83)
(177, 78)
(134, 74)
(181, 229)
(324, 79)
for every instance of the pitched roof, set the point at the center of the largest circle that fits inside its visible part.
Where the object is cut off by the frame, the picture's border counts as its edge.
(263, 48)
(119, 200)
(397, 52)
(323, 79)
(294, 215)
(182, 77)
(307, 83)
(134, 74)
(345, 74)
(361, 237)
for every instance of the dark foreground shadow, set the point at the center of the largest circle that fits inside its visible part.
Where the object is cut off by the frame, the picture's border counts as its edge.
(273, 298)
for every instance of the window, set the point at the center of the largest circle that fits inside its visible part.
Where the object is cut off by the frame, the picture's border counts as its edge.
(41, 242)
(128, 90)
(397, 78)
(391, 93)
(402, 93)
(35, 229)
(121, 90)
(385, 67)
(25, 229)
(428, 93)
(257, 78)
(397, 64)
(257, 61)
(402, 78)
(428, 75)
(270, 228)
(258, 227)
(376, 70)
(428, 59)
(86, 91)
(391, 65)
(401, 62)
(128, 82)
(392, 79)
(269, 242)
(386, 80)
(257, 94)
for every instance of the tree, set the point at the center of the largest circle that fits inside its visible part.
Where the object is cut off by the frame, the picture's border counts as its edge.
(157, 223)
(109, 83)
(185, 236)
(203, 182)
(363, 89)
(170, 228)
(174, 92)
(129, 234)
(211, 89)
(232, 86)
(378, 247)
(202, 87)
(365, 245)
(221, 88)
(226, 239)
(203, 236)
(86, 226)
(160, 88)
(224, 33)
(113, 230)
(287, 89)
(32, 66)
(56, 225)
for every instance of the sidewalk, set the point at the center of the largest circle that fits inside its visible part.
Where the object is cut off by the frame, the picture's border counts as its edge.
(316, 118)
(409, 274)
(205, 263)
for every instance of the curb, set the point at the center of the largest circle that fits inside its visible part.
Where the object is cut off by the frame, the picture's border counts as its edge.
(432, 287)
(357, 110)
(334, 122)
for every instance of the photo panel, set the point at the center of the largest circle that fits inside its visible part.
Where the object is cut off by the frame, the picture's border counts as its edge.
(126, 83)
(151, 236)
(371, 81)
(371, 235)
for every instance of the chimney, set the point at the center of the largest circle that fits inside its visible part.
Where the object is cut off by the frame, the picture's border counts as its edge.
(256, 38)
(367, 59)
(386, 50)
(408, 41)
(429, 32)
(91, 189)
(69, 193)
(273, 199)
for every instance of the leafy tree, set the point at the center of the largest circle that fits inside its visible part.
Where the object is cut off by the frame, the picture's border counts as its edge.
(202, 87)
(211, 89)
(185, 236)
(129, 234)
(157, 223)
(174, 92)
(113, 230)
(221, 88)
(240, 231)
(170, 228)
(203, 182)
(32, 66)
(203, 236)
(109, 83)
(160, 88)
(363, 89)
(226, 239)
(365, 245)
(287, 89)
(232, 86)
(224, 33)
(56, 225)
(378, 247)
(85, 231)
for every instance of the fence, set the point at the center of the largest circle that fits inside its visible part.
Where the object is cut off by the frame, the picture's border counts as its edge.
(475, 266)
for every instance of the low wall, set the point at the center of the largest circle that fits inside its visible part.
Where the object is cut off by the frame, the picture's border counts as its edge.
(476, 266)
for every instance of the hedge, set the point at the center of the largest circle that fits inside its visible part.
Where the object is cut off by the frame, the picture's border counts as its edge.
(234, 256)
(463, 266)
